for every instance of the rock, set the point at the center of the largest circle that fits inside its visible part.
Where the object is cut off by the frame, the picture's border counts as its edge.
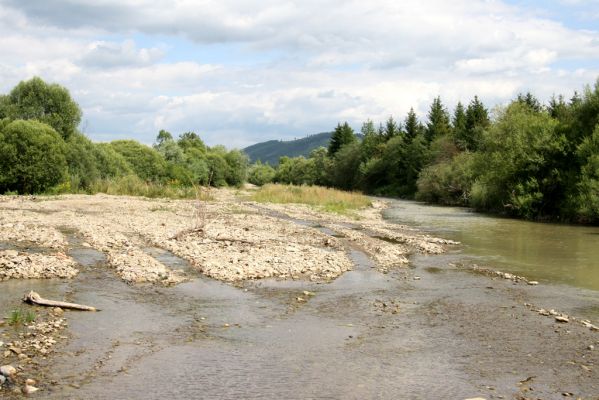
(307, 293)
(28, 389)
(57, 311)
(591, 347)
(416, 278)
(533, 283)
(300, 300)
(11, 253)
(15, 350)
(30, 382)
(8, 370)
(562, 319)
(2, 380)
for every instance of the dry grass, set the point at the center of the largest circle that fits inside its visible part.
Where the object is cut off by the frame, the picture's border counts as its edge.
(324, 198)
(134, 186)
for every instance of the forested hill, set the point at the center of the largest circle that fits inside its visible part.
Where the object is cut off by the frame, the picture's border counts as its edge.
(272, 150)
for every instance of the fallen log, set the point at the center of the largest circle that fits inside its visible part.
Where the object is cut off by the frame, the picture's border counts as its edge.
(34, 298)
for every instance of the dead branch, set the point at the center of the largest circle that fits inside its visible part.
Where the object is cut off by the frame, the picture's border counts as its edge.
(34, 298)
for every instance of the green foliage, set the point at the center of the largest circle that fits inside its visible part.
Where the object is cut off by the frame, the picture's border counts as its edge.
(48, 103)
(238, 164)
(145, 162)
(448, 182)
(32, 157)
(342, 135)
(438, 121)
(516, 162)
(588, 187)
(81, 161)
(260, 174)
(109, 162)
(412, 127)
(344, 171)
(18, 317)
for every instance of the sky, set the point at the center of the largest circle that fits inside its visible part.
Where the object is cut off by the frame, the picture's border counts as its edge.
(245, 71)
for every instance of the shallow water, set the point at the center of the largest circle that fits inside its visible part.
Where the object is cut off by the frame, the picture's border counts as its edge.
(550, 253)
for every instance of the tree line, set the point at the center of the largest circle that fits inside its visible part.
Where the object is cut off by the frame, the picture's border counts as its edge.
(525, 159)
(42, 150)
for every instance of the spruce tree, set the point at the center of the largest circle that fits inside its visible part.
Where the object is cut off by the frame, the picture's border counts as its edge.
(412, 126)
(459, 126)
(342, 136)
(438, 121)
(391, 128)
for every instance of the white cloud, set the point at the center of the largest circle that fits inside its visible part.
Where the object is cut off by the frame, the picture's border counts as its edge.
(284, 68)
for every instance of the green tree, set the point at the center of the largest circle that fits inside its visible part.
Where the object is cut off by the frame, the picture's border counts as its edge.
(588, 186)
(438, 121)
(81, 161)
(109, 162)
(260, 174)
(517, 164)
(343, 135)
(32, 157)
(530, 101)
(477, 120)
(48, 103)
(459, 129)
(412, 126)
(146, 162)
(392, 129)
(238, 163)
(191, 140)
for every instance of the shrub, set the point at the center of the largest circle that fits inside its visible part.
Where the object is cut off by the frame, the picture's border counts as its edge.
(32, 157)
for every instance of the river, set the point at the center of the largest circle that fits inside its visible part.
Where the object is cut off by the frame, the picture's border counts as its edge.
(548, 253)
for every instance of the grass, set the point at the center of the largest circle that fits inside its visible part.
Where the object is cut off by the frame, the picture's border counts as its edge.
(18, 317)
(331, 200)
(134, 186)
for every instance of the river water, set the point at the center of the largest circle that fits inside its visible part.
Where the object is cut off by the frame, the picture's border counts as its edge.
(548, 253)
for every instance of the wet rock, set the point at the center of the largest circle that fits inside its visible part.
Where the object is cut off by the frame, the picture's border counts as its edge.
(8, 370)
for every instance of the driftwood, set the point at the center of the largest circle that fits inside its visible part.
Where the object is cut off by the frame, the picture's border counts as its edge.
(34, 298)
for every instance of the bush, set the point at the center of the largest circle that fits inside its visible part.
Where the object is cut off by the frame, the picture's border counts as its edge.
(32, 157)
(261, 174)
(146, 162)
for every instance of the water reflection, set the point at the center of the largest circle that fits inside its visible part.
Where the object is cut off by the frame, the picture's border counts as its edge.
(545, 252)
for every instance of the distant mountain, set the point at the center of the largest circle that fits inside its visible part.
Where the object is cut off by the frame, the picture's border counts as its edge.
(271, 151)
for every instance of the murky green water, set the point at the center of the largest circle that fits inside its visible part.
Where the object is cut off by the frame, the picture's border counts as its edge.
(544, 252)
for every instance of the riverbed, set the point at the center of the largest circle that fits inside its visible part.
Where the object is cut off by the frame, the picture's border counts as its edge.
(427, 329)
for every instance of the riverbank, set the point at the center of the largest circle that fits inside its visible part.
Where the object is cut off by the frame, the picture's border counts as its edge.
(304, 295)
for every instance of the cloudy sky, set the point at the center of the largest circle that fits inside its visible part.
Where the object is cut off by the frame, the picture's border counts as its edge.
(239, 72)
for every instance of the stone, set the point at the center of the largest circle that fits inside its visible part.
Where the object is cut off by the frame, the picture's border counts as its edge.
(11, 253)
(591, 347)
(30, 382)
(28, 389)
(8, 370)
(562, 319)
(2, 380)
(533, 283)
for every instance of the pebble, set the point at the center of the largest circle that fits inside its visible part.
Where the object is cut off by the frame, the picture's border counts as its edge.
(591, 347)
(560, 318)
(533, 283)
(28, 389)
(8, 370)
(2, 380)
(30, 382)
